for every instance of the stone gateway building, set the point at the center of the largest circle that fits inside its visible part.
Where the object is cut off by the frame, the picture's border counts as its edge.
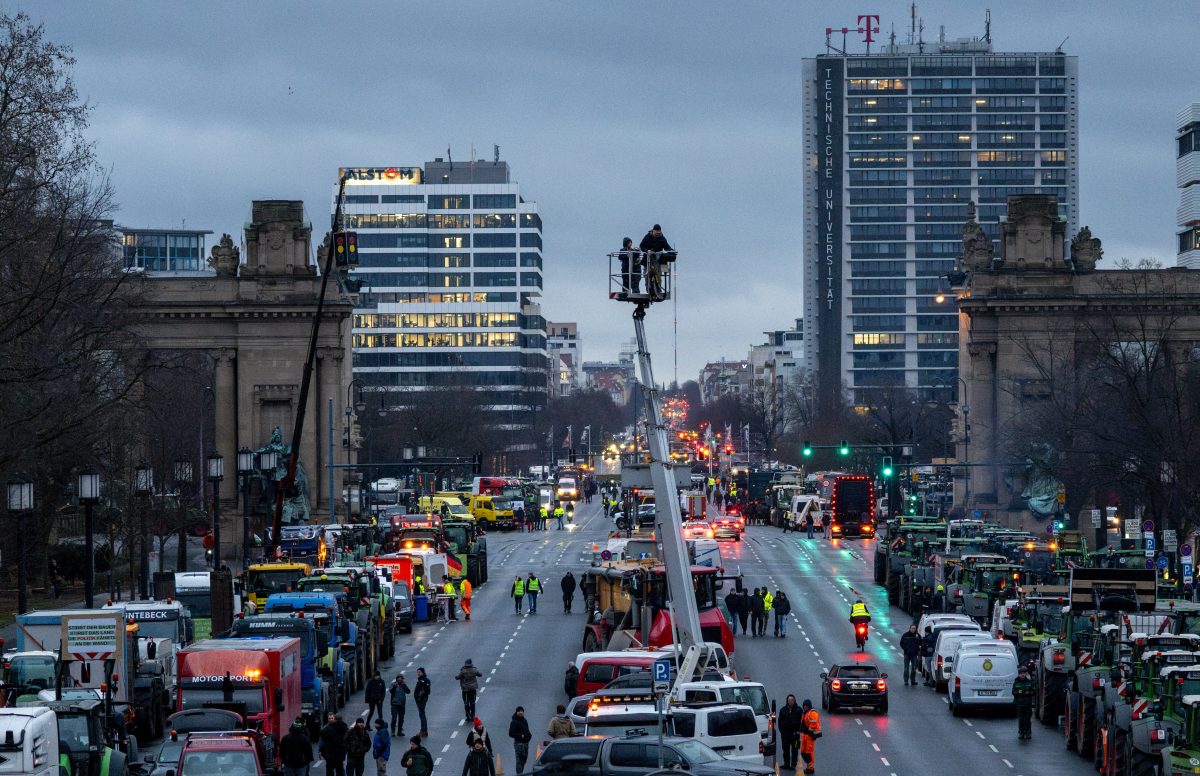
(1079, 383)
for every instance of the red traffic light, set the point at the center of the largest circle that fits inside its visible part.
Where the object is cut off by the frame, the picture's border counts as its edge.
(352, 242)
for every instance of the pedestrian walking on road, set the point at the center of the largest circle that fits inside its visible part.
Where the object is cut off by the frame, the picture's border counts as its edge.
(417, 761)
(559, 512)
(421, 696)
(809, 523)
(451, 596)
(782, 608)
(358, 743)
(468, 682)
(518, 731)
(790, 718)
(479, 762)
(928, 647)
(758, 613)
(1022, 692)
(399, 691)
(295, 751)
(561, 725)
(375, 693)
(478, 733)
(466, 592)
(381, 747)
(745, 609)
(332, 746)
(810, 731)
(910, 645)
(733, 603)
(571, 680)
(568, 593)
(533, 586)
(518, 593)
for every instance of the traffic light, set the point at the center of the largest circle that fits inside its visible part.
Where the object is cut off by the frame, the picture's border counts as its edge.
(807, 451)
(844, 448)
(1060, 524)
(887, 467)
(345, 248)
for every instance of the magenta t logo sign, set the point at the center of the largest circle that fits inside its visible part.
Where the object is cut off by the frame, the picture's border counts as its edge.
(869, 25)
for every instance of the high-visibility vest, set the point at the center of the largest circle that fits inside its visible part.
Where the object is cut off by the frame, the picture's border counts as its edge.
(448, 588)
(542, 512)
(466, 588)
(812, 721)
(535, 585)
(519, 587)
(558, 511)
(859, 610)
(768, 599)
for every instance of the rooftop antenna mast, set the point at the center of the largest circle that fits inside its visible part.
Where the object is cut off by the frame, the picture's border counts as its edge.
(921, 35)
(912, 24)
(987, 26)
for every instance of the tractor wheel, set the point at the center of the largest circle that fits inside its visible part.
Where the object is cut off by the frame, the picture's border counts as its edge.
(1087, 728)
(1140, 763)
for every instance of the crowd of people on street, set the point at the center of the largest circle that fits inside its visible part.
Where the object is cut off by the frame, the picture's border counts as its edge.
(753, 611)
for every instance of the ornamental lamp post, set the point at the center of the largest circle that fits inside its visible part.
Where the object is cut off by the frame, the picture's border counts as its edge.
(245, 464)
(143, 486)
(183, 476)
(216, 473)
(20, 501)
(87, 487)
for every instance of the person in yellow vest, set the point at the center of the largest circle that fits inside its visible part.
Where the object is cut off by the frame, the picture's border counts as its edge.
(558, 515)
(533, 586)
(543, 516)
(859, 613)
(768, 599)
(518, 588)
(466, 597)
(451, 594)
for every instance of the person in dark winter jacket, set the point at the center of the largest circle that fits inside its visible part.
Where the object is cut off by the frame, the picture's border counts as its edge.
(421, 696)
(743, 611)
(656, 241)
(375, 694)
(358, 743)
(571, 680)
(399, 692)
(333, 745)
(568, 592)
(381, 746)
(928, 647)
(656, 251)
(910, 645)
(519, 732)
(782, 608)
(758, 613)
(788, 723)
(468, 682)
(417, 761)
(479, 762)
(478, 732)
(295, 751)
(631, 276)
(732, 602)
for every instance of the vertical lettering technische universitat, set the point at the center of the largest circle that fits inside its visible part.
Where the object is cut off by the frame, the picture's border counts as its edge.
(829, 99)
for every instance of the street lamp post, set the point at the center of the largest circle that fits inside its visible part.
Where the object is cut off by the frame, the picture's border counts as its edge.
(183, 476)
(245, 469)
(143, 486)
(268, 462)
(87, 486)
(216, 473)
(20, 501)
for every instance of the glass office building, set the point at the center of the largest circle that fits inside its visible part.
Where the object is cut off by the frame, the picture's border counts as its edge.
(896, 143)
(450, 259)
(1187, 174)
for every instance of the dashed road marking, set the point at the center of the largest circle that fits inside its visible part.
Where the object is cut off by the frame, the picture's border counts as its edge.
(454, 734)
(1006, 762)
(993, 748)
(981, 735)
(446, 748)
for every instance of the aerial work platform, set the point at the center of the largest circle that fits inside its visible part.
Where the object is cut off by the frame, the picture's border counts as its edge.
(641, 277)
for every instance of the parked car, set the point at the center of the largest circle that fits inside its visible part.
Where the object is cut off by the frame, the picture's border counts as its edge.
(636, 755)
(983, 675)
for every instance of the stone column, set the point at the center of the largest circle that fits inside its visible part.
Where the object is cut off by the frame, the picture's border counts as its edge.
(983, 481)
(225, 404)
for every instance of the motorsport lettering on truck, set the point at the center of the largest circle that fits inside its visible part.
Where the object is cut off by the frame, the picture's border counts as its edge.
(318, 692)
(257, 678)
(263, 579)
(145, 690)
(340, 662)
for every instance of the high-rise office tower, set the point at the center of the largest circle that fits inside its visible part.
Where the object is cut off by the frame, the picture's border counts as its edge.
(1187, 177)
(896, 143)
(450, 256)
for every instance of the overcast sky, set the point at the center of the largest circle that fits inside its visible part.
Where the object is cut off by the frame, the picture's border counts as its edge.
(613, 114)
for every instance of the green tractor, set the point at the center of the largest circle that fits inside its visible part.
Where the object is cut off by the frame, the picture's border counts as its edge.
(85, 741)
(469, 545)
(1182, 753)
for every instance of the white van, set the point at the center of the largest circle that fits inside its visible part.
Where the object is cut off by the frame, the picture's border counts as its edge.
(943, 652)
(751, 694)
(933, 618)
(983, 675)
(730, 729)
(705, 552)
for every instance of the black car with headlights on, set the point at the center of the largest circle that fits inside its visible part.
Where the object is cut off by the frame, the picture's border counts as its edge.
(860, 684)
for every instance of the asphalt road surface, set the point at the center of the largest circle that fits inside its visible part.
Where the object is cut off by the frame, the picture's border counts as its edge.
(523, 659)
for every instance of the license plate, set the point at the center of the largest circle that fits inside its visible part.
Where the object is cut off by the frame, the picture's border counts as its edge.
(988, 692)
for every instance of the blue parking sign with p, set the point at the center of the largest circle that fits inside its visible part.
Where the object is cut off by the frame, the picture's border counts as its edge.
(662, 671)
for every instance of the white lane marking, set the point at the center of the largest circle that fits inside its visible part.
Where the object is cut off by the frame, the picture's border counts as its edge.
(885, 762)
(966, 722)
(486, 680)
(494, 670)
(867, 733)
(859, 721)
(454, 734)
(1006, 762)
(981, 735)
(446, 748)
(438, 761)
(993, 748)
(875, 747)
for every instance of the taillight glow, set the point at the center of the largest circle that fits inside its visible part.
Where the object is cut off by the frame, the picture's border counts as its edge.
(881, 685)
(837, 684)
(1059, 657)
(861, 629)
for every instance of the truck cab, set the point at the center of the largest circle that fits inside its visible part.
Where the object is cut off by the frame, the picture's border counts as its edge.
(494, 511)
(84, 746)
(263, 579)
(340, 663)
(29, 742)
